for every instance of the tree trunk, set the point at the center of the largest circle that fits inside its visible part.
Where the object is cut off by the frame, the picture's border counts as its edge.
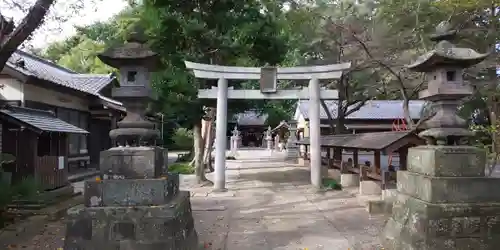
(198, 154)
(207, 159)
(331, 121)
(10, 41)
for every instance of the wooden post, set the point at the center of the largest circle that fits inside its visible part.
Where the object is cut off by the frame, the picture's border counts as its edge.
(403, 158)
(386, 177)
(355, 158)
(363, 176)
(376, 157)
(344, 167)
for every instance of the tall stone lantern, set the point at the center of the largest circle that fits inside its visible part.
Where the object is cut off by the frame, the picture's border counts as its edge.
(135, 204)
(135, 135)
(444, 200)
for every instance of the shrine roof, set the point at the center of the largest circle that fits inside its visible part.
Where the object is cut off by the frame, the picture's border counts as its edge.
(372, 110)
(383, 141)
(282, 124)
(250, 118)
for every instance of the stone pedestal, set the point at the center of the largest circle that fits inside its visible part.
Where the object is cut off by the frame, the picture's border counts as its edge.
(269, 143)
(292, 149)
(133, 162)
(132, 214)
(370, 187)
(444, 201)
(349, 180)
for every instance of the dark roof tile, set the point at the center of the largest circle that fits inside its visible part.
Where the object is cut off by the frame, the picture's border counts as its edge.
(40, 120)
(46, 70)
(368, 141)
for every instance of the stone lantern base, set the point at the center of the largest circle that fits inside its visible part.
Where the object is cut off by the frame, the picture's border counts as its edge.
(134, 162)
(444, 201)
(147, 214)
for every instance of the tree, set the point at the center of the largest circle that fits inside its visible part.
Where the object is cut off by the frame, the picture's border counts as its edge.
(243, 32)
(79, 52)
(12, 36)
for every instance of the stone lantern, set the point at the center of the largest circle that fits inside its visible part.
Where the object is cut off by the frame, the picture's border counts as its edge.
(444, 67)
(444, 200)
(135, 204)
(136, 136)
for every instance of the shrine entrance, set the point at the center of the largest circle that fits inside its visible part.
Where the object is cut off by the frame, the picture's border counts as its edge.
(268, 77)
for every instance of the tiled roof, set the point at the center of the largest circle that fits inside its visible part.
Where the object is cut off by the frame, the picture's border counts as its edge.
(46, 70)
(40, 120)
(368, 141)
(250, 118)
(375, 109)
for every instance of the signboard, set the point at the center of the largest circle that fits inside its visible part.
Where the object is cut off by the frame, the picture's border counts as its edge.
(60, 162)
(268, 79)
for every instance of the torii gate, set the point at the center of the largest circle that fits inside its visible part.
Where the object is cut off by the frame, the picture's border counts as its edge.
(268, 77)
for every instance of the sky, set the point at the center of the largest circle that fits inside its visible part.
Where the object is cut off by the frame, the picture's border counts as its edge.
(52, 30)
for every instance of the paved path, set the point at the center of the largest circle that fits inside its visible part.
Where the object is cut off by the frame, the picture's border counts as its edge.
(269, 206)
(272, 206)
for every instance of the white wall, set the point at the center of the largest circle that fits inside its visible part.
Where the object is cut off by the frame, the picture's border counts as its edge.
(50, 97)
(14, 90)
(11, 89)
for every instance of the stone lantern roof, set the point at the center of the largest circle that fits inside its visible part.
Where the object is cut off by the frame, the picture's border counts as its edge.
(135, 52)
(445, 53)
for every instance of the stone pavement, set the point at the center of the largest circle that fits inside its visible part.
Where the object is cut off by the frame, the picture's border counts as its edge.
(269, 205)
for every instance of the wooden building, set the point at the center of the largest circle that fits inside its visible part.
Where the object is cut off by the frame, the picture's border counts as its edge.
(39, 141)
(82, 100)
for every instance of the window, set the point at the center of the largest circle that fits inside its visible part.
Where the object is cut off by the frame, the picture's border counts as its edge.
(131, 76)
(83, 138)
(450, 76)
(77, 142)
(74, 139)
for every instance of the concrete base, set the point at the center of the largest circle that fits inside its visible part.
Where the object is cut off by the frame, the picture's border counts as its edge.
(304, 162)
(385, 204)
(349, 180)
(169, 226)
(133, 162)
(369, 187)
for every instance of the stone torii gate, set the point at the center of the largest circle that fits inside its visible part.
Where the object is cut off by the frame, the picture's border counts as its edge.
(268, 77)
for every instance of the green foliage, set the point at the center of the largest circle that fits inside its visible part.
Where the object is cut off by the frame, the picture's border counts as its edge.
(6, 158)
(183, 139)
(330, 183)
(25, 189)
(181, 168)
(79, 52)
(220, 32)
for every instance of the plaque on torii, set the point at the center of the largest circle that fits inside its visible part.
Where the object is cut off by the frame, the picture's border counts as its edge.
(268, 79)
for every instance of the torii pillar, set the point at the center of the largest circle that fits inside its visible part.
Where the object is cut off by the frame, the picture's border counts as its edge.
(268, 77)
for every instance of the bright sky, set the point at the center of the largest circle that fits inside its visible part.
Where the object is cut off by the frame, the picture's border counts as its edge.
(52, 30)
